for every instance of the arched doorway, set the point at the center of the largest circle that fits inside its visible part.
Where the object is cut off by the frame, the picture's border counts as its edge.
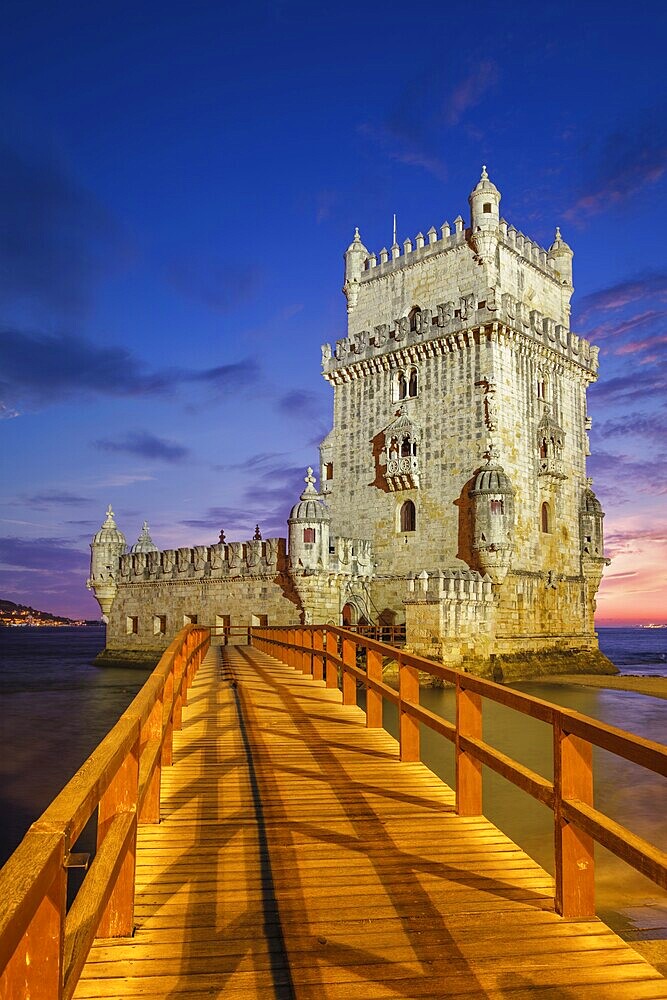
(349, 615)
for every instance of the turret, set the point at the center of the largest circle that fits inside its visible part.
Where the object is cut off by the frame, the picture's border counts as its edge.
(492, 497)
(560, 255)
(590, 525)
(355, 260)
(144, 543)
(309, 521)
(106, 548)
(484, 203)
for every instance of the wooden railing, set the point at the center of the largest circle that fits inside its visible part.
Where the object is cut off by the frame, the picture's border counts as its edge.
(326, 652)
(43, 947)
(392, 634)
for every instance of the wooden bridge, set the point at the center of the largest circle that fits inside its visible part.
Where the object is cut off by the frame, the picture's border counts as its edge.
(260, 836)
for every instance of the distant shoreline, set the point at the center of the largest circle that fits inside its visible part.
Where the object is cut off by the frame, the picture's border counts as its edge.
(655, 687)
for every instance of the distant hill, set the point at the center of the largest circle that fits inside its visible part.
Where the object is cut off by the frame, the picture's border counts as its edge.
(12, 614)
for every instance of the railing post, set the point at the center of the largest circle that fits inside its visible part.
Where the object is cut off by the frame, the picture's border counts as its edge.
(179, 667)
(349, 682)
(468, 768)
(318, 655)
(300, 655)
(373, 698)
(35, 969)
(121, 797)
(574, 849)
(150, 809)
(168, 697)
(307, 664)
(408, 690)
(331, 670)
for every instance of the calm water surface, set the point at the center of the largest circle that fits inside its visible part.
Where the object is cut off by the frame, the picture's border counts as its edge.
(55, 706)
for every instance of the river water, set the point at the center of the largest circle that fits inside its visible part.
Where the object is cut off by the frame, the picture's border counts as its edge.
(55, 706)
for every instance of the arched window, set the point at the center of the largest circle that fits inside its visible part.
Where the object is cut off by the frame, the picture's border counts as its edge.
(545, 518)
(544, 453)
(497, 506)
(415, 318)
(402, 386)
(408, 516)
(412, 382)
(405, 448)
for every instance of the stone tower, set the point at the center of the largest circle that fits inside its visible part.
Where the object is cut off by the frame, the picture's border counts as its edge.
(457, 348)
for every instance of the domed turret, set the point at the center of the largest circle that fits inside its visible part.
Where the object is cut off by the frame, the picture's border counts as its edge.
(590, 525)
(560, 254)
(484, 203)
(308, 523)
(355, 259)
(144, 543)
(492, 497)
(106, 548)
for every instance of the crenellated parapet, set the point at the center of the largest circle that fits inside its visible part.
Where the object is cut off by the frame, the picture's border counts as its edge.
(442, 327)
(255, 557)
(351, 557)
(449, 613)
(465, 586)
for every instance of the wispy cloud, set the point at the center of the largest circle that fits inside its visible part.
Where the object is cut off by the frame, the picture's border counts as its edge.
(301, 404)
(42, 554)
(40, 369)
(220, 285)
(56, 237)
(627, 162)
(469, 92)
(416, 128)
(49, 498)
(403, 148)
(651, 426)
(652, 285)
(266, 501)
(627, 475)
(145, 445)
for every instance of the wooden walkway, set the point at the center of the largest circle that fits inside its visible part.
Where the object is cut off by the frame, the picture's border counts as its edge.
(297, 857)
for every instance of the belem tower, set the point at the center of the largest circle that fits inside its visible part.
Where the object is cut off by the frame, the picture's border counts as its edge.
(453, 494)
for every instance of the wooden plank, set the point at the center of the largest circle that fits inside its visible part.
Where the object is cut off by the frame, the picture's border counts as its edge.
(299, 857)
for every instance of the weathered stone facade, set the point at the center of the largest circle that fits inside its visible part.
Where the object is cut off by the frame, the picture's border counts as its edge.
(453, 482)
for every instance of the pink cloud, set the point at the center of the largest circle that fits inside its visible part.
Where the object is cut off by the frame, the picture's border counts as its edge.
(470, 91)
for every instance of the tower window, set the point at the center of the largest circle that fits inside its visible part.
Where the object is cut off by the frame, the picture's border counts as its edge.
(159, 624)
(497, 507)
(408, 516)
(412, 383)
(541, 387)
(132, 625)
(545, 519)
(414, 317)
(309, 535)
(328, 470)
(487, 208)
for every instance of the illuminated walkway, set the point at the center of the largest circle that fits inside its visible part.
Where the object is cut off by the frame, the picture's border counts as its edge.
(297, 857)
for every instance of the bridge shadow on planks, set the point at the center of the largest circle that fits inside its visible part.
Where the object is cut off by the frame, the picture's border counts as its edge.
(298, 857)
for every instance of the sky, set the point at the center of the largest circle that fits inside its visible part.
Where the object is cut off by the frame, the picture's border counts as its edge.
(178, 183)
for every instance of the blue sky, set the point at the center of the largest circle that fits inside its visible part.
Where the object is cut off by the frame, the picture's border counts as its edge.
(178, 183)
